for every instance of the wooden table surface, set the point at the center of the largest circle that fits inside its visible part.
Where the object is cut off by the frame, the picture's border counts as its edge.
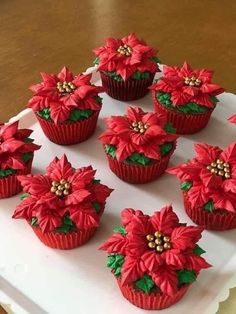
(42, 36)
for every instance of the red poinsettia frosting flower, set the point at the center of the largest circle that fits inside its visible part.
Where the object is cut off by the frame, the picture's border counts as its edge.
(126, 56)
(62, 191)
(233, 119)
(64, 92)
(14, 143)
(212, 174)
(187, 85)
(137, 131)
(157, 246)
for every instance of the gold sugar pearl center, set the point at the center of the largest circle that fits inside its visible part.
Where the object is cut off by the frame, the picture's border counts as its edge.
(220, 168)
(139, 127)
(192, 81)
(60, 188)
(158, 242)
(65, 87)
(125, 50)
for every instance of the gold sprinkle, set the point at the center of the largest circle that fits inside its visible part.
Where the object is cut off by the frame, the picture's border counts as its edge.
(152, 245)
(221, 173)
(150, 237)
(167, 246)
(59, 193)
(159, 248)
(166, 239)
(53, 189)
(157, 234)
(158, 241)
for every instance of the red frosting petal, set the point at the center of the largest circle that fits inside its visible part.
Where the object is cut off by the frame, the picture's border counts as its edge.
(165, 220)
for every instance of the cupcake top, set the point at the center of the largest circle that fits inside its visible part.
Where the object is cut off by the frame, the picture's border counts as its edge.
(187, 90)
(16, 148)
(126, 58)
(64, 199)
(154, 253)
(209, 179)
(232, 119)
(138, 137)
(65, 97)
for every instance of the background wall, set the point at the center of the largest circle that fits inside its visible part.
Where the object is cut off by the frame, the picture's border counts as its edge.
(44, 35)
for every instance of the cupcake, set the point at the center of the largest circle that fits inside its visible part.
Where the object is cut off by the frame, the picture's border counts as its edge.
(154, 259)
(138, 145)
(186, 97)
(232, 119)
(16, 156)
(64, 206)
(208, 183)
(66, 106)
(127, 67)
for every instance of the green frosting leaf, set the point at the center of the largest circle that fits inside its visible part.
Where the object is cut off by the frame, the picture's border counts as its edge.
(140, 159)
(67, 225)
(120, 230)
(110, 150)
(136, 76)
(140, 75)
(156, 59)
(78, 115)
(186, 185)
(96, 181)
(169, 128)
(186, 276)
(24, 196)
(136, 158)
(115, 262)
(191, 107)
(98, 99)
(209, 206)
(214, 99)
(97, 206)
(165, 148)
(28, 140)
(45, 114)
(197, 250)
(145, 284)
(96, 61)
(34, 221)
(26, 157)
(113, 75)
(6, 172)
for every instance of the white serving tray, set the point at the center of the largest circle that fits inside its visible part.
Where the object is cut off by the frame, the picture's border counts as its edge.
(36, 279)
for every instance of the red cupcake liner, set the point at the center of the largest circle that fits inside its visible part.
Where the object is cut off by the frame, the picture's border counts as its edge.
(183, 123)
(64, 241)
(126, 90)
(152, 301)
(9, 185)
(71, 132)
(220, 220)
(139, 174)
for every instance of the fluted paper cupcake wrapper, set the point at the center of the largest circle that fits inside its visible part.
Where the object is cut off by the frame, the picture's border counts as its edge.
(126, 90)
(220, 221)
(183, 123)
(69, 133)
(152, 301)
(9, 185)
(64, 241)
(138, 174)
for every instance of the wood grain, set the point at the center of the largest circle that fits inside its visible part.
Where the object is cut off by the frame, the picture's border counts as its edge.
(44, 35)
